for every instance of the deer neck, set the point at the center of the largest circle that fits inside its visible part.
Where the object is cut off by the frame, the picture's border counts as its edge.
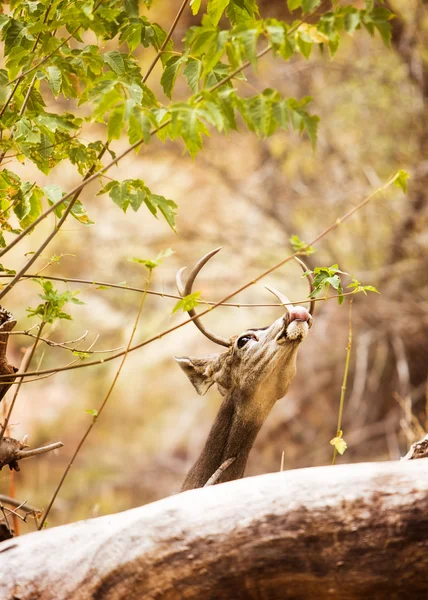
(232, 436)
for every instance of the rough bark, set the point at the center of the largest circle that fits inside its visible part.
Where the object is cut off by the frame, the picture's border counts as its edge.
(7, 323)
(350, 531)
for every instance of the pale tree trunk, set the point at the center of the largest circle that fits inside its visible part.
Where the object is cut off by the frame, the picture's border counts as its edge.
(344, 532)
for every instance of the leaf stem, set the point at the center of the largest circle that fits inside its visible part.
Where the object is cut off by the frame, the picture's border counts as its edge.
(344, 382)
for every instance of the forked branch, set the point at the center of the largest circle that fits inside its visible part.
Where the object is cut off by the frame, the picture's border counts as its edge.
(11, 451)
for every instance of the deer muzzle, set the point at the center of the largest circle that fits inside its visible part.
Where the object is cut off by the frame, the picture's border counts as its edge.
(296, 325)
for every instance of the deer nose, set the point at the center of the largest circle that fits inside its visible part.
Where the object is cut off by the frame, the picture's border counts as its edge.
(299, 313)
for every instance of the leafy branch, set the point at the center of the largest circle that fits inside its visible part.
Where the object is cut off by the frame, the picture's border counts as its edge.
(323, 234)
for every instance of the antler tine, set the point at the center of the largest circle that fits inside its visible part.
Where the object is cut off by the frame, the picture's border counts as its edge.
(311, 283)
(185, 290)
(281, 297)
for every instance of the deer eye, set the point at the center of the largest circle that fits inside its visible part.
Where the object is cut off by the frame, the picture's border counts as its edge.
(244, 339)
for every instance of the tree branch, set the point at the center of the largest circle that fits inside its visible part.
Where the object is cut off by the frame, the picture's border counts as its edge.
(328, 230)
(12, 450)
(348, 531)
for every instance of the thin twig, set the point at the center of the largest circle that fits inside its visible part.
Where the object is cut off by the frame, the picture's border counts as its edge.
(100, 410)
(19, 505)
(345, 379)
(22, 454)
(65, 345)
(166, 40)
(176, 296)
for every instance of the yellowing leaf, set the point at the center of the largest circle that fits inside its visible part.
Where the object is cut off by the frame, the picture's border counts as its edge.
(339, 444)
(195, 5)
(309, 33)
(401, 180)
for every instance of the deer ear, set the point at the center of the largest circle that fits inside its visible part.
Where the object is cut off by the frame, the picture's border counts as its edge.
(198, 371)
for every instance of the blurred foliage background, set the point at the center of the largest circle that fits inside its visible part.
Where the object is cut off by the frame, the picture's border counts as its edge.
(249, 196)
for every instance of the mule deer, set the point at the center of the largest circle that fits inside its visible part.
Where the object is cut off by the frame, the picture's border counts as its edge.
(252, 374)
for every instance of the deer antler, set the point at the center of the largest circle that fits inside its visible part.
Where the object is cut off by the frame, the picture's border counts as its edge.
(282, 298)
(185, 290)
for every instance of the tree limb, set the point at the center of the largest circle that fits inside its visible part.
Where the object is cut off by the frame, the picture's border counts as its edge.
(12, 450)
(349, 531)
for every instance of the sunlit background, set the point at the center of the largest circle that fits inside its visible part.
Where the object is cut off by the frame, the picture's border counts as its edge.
(249, 196)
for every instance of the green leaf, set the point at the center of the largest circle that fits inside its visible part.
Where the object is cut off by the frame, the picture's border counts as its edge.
(216, 9)
(116, 122)
(7, 271)
(187, 302)
(358, 287)
(311, 125)
(401, 180)
(106, 102)
(249, 38)
(170, 74)
(140, 126)
(53, 192)
(293, 4)
(54, 80)
(149, 264)
(192, 72)
(195, 5)
(54, 301)
(201, 39)
(114, 60)
(300, 246)
(26, 133)
(133, 192)
(370, 288)
(92, 411)
(79, 213)
(309, 5)
(152, 264)
(168, 208)
(212, 113)
(276, 33)
(352, 20)
(305, 47)
(326, 277)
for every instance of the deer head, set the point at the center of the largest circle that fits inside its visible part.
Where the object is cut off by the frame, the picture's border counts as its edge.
(252, 374)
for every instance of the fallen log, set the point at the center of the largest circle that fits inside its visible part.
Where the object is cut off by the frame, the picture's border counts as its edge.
(351, 531)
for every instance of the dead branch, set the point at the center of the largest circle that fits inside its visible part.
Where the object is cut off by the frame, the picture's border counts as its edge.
(418, 450)
(17, 504)
(7, 323)
(350, 531)
(12, 450)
